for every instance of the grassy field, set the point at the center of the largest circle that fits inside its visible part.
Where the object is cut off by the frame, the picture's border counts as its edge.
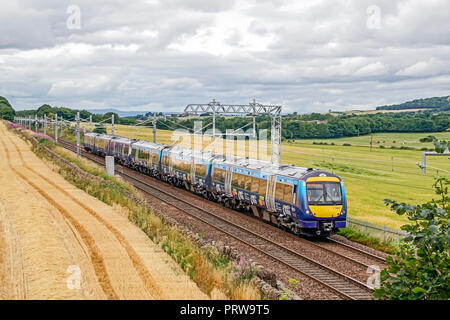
(369, 176)
(384, 139)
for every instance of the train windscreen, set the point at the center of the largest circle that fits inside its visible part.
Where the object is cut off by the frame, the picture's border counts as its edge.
(324, 193)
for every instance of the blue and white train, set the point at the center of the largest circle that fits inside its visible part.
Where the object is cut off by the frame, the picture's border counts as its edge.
(304, 200)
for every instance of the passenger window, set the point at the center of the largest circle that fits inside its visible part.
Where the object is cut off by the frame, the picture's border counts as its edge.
(235, 179)
(219, 175)
(200, 170)
(262, 186)
(241, 181)
(248, 183)
(279, 191)
(255, 185)
(287, 192)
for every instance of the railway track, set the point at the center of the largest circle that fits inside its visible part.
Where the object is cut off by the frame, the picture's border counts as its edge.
(358, 251)
(339, 283)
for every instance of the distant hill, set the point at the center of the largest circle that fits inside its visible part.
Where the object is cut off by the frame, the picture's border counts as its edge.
(6, 110)
(438, 103)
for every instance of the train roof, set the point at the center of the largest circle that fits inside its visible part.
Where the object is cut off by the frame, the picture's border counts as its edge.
(290, 171)
(149, 145)
(197, 154)
(104, 136)
(123, 140)
(91, 134)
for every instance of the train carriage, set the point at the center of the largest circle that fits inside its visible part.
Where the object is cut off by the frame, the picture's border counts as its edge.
(120, 148)
(185, 167)
(145, 157)
(101, 144)
(89, 141)
(177, 164)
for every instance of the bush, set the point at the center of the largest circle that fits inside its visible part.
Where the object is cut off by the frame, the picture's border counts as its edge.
(420, 266)
(346, 144)
(427, 139)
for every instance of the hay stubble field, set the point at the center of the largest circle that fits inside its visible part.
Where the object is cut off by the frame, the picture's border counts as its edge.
(50, 232)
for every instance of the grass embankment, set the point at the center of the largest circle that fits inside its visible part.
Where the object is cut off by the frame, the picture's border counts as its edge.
(367, 240)
(215, 274)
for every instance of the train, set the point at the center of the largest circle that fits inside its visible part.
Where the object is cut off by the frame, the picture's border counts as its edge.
(305, 201)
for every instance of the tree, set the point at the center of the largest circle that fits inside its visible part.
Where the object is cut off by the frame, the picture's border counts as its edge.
(109, 115)
(44, 109)
(6, 110)
(420, 266)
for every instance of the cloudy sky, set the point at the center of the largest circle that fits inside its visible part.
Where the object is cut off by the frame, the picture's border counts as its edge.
(163, 54)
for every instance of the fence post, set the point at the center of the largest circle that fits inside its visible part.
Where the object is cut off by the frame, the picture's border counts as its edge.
(366, 223)
(385, 233)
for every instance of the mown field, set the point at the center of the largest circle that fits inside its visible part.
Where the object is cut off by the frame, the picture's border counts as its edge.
(370, 176)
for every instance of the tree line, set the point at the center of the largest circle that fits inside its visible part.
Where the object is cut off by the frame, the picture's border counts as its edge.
(294, 126)
(438, 103)
(322, 126)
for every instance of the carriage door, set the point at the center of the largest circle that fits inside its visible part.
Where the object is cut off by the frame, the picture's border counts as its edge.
(228, 181)
(270, 193)
(170, 164)
(193, 170)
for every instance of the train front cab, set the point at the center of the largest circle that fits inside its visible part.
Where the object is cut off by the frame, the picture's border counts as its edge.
(322, 204)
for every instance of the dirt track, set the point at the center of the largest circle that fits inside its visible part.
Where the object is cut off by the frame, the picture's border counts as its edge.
(50, 230)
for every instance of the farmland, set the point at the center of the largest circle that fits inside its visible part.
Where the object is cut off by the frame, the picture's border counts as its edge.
(370, 175)
(58, 242)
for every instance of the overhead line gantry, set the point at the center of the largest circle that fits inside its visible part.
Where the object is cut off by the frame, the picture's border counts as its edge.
(253, 109)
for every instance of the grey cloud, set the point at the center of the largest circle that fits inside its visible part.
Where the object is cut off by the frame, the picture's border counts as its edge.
(308, 55)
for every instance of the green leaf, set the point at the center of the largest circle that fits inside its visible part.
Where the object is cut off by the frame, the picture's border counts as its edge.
(418, 290)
